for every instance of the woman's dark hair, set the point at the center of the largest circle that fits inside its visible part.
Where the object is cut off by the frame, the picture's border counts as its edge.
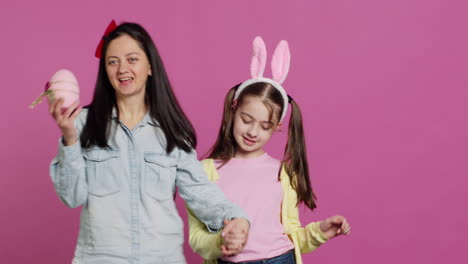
(159, 98)
(295, 155)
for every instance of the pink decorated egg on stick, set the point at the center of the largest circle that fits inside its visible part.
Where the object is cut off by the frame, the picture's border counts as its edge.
(63, 84)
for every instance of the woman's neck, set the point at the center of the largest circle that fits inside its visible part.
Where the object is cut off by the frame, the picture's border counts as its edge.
(131, 111)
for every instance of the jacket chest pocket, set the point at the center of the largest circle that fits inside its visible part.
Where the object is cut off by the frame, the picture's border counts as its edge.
(160, 175)
(103, 171)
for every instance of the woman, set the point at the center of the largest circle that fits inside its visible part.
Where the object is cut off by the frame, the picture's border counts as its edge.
(122, 157)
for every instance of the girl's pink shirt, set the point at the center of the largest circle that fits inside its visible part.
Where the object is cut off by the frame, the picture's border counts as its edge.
(253, 185)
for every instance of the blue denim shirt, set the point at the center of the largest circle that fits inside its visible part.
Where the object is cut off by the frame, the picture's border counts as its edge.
(128, 213)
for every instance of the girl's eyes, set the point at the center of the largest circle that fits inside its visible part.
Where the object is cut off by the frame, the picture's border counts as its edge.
(246, 121)
(133, 60)
(112, 62)
(264, 126)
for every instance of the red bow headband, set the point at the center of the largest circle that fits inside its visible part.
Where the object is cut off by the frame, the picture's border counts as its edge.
(112, 25)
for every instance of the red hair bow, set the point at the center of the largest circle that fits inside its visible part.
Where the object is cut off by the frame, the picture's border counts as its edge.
(112, 25)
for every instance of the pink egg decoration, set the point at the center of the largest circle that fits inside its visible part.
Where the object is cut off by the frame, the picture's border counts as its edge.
(63, 84)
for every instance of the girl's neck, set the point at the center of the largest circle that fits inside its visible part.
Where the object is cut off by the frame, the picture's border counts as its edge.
(249, 155)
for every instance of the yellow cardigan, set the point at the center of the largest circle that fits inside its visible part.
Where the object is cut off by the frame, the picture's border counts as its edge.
(208, 245)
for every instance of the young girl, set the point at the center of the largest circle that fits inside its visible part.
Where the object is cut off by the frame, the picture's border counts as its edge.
(122, 157)
(268, 189)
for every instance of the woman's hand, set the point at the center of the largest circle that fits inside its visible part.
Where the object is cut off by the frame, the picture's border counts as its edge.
(334, 226)
(235, 236)
(65, 119)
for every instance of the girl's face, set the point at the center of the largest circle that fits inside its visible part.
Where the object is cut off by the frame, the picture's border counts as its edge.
(253, 127)
(127, 67)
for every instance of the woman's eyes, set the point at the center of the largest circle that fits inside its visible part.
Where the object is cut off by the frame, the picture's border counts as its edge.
(115, 62)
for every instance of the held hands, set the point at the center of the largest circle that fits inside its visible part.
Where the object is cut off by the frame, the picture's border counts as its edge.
(334, 226)
(235, 235)
(65, 119)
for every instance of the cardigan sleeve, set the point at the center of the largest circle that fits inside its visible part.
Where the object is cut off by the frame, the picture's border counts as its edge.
(203, 242)
(307, 238)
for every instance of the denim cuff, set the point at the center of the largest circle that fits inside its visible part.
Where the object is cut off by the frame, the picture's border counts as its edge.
(231, 213)
(70, 153)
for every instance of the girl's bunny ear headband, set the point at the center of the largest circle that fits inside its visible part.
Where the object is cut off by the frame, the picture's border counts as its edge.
(279, 67)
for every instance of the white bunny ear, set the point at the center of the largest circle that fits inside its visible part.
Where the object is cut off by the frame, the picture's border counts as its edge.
(280, 62)
(258, 63)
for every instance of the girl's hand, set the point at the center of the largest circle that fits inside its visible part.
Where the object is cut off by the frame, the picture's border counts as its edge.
(334, 226)
(65, 119)
(235, 235)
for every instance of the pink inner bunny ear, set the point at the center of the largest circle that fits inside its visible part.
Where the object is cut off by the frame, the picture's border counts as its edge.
(257, 65)
(280, 62)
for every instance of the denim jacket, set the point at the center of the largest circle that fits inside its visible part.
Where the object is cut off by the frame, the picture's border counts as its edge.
(128, 213)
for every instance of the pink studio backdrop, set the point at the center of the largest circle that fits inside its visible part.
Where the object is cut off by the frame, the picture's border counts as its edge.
(382, 86)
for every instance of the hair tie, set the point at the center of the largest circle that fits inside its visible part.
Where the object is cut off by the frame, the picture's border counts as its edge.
(234, 104)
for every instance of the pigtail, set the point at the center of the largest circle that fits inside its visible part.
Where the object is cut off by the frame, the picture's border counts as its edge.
(225, 146)
(295, 159)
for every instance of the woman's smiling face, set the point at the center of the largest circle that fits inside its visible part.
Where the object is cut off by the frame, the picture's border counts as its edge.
(127, 67)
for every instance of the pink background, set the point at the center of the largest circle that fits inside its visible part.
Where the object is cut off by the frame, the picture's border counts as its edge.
(382, 86)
